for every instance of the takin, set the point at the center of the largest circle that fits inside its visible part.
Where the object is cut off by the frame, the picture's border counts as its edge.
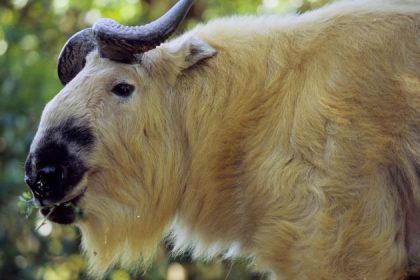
(294, 140)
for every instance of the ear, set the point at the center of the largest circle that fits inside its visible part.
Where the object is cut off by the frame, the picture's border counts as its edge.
(190, 50)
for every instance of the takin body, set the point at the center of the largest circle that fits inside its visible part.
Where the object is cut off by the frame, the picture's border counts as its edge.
(295, 140)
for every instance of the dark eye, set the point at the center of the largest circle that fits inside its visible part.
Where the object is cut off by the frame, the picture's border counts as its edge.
(123, 89)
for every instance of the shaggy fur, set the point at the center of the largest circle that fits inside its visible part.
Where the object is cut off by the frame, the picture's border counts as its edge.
(293, 139)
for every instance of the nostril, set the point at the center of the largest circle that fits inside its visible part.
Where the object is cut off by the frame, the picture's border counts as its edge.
(47, 171)
(49, 176)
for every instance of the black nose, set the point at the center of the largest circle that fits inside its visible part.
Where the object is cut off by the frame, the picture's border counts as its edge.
(46, 179)
(56, 162)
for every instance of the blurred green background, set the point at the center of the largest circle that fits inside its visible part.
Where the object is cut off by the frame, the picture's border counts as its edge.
(32, 33)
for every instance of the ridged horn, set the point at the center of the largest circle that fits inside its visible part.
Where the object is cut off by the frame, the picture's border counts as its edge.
(121, 43)
(72, 57)
(118, 42)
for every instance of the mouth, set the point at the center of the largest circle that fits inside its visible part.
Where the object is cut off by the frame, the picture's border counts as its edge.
(65, 212)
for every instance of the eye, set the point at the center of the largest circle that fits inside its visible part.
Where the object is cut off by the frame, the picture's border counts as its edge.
(123, 89)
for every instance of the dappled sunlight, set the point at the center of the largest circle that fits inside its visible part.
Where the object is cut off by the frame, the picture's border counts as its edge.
(176, 272)
(44, 228)
(3, 47)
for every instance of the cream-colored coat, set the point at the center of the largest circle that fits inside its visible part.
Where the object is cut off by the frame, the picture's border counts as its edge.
(292, 139)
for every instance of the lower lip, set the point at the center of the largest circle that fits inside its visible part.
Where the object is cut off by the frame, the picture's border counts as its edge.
(65, 213)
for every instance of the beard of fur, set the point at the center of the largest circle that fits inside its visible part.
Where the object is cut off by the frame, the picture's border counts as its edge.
(119, 230)
(112, 238)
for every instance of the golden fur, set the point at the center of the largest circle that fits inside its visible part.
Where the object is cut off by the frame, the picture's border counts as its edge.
(293, 139)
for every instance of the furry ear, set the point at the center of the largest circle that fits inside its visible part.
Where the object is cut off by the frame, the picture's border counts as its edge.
(189, 51)
(197, 50)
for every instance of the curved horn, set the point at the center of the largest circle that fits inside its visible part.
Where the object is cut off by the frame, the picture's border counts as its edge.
(72, 57)
(120, 43)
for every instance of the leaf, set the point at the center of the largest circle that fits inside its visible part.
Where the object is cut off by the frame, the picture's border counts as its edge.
(26, 196)
(26, 204)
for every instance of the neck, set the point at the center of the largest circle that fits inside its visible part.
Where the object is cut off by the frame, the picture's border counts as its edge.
(224, 124)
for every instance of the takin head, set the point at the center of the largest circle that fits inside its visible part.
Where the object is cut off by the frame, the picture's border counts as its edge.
(99, 138)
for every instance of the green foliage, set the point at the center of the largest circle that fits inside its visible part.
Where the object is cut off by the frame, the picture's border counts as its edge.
(26, 204)
(32, 33)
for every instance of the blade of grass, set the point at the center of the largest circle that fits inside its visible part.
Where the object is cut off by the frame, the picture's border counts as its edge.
(44, 219)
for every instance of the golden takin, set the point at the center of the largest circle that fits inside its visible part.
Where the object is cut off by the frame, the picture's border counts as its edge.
(292, 139)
